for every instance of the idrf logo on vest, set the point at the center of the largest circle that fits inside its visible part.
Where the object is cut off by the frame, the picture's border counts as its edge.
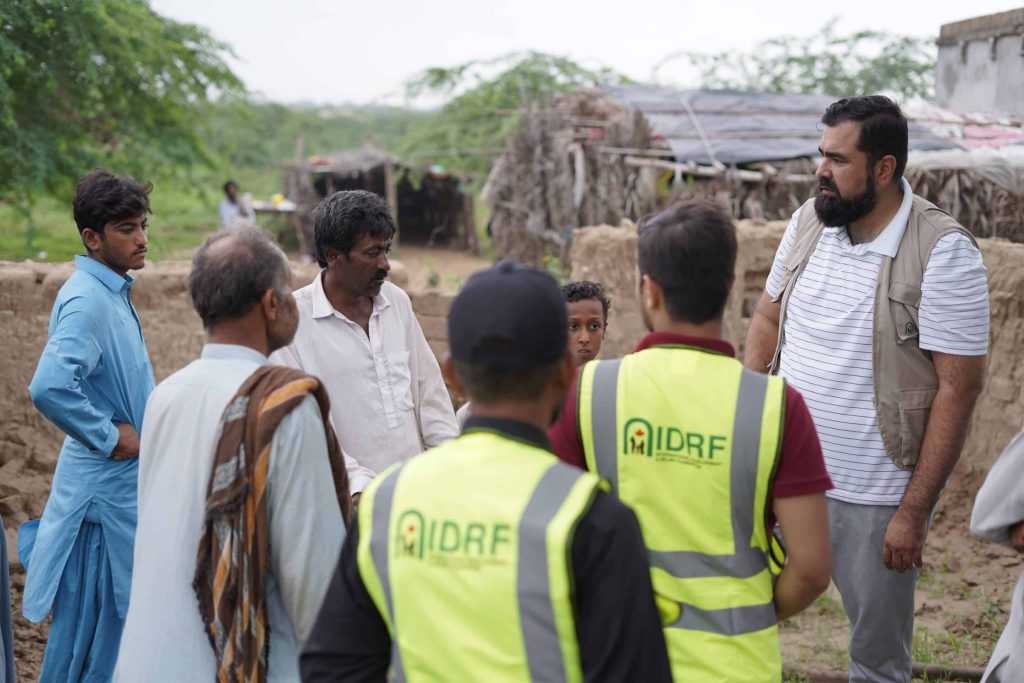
(453, 543)
(640, 437)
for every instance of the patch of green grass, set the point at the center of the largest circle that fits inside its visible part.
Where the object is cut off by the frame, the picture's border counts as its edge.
(958, 645)
(828, 606)
(183, 215)
(927, 647)
(991, 608)
(925, 579)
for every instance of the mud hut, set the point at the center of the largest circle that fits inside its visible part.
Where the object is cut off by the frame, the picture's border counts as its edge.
(598, 156)
(430, 206)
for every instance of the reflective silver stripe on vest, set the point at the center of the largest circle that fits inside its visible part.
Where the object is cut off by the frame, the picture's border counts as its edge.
(746, 446)
(733, 621)
(603, 421)
(380, 552)
(536, 611)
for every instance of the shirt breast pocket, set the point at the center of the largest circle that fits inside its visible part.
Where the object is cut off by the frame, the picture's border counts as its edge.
(400, 379)
(905, 304)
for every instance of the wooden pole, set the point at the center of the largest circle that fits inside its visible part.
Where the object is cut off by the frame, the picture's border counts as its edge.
(694, 169)
(391, 195)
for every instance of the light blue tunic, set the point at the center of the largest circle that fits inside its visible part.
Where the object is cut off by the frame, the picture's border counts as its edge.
(94, 374)
(6, 633)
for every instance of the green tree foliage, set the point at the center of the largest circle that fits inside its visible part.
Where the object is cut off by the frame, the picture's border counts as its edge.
(91, 82)
(864, 62)
(262, 135)
(486, 98)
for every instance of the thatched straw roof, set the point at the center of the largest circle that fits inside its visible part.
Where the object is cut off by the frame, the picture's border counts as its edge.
(353, 161)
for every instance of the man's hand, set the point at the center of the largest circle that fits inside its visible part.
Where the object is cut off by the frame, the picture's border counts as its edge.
(127, 446)
(904, 541)
(1017, 536)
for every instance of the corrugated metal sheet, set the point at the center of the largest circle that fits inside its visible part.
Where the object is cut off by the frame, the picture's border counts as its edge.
(733, 127)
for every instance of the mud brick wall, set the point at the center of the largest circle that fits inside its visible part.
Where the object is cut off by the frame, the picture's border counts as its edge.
(608, 255)
(431, 310)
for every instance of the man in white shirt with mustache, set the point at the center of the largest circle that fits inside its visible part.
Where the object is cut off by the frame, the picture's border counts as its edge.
(358, 334)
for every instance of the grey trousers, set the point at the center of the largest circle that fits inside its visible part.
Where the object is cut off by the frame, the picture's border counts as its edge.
(879, 602)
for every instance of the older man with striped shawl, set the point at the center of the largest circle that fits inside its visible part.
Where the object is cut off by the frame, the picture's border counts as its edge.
(240, 463)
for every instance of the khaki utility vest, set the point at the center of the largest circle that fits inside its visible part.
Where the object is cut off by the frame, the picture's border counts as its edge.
(905, 378)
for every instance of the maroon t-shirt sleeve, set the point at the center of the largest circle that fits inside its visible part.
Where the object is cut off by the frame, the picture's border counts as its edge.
(801, 469)
(565, 433)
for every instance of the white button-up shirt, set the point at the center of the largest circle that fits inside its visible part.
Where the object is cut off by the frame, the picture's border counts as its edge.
(388, 401)
(164, 640)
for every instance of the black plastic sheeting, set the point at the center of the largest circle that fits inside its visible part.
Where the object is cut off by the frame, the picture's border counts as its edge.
(740, 127)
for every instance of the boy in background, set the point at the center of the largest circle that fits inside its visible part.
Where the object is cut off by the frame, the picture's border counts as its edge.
(587, 309)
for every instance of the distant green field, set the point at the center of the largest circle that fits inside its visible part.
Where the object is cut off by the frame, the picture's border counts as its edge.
(183, 215)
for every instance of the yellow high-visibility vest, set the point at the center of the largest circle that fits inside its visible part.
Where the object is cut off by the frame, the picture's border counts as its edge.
(689, 439)
(465, 550)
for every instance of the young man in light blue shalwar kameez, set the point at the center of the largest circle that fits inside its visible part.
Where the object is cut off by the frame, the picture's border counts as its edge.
(92, 382)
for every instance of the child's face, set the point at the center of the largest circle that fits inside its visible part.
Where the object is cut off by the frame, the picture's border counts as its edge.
(586, 329)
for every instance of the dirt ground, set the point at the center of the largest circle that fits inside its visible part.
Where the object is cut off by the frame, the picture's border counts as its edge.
(962, 599)
(437, 268)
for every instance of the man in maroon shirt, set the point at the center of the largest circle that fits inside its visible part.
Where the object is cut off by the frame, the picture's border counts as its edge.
(801, 470)
(686, 258)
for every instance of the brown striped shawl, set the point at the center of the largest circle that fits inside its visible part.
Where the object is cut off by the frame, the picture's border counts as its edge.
(231, 566)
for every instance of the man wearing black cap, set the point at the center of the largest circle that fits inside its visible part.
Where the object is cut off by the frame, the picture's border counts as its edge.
(486, 558)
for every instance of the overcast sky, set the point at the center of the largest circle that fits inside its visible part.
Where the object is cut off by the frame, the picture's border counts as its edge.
(362, 52)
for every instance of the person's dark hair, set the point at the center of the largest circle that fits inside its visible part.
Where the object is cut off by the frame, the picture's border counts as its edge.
(584, 289)
(883, 127)
(103, 197)
(232, 271)
(230, 183)
(689, 249)
(488, 384)
(342, 219)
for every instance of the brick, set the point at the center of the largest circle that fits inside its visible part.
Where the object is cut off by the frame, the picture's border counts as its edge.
(432, 303)
(434, 327)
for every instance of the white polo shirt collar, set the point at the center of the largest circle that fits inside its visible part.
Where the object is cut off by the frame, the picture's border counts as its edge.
(887, 243)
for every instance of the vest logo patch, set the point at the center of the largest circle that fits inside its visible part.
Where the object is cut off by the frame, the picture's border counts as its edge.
(672, 444)
(451, 543)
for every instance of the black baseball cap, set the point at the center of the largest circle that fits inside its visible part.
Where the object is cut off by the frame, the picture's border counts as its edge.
(510, 316)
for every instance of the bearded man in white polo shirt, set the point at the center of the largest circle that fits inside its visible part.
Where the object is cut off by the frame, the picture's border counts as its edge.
(876, 310)
(358, 334)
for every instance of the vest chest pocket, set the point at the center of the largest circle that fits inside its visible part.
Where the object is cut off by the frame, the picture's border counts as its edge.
(915, 409)
(905, 303)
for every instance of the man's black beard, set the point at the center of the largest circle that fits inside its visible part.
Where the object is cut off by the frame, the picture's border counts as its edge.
(836, 211)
